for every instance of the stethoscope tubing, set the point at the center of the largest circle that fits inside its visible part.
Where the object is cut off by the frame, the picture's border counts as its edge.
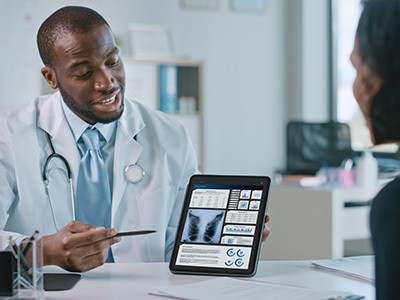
(54, 155)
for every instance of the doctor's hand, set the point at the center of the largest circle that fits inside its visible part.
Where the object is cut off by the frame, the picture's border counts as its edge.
(78, 247)
(266, 228)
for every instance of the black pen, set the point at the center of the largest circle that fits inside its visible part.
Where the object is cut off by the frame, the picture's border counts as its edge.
(22, 257)
(29, 244)
(137, 232)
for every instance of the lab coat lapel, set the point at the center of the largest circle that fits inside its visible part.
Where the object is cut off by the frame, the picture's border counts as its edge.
(127, 150)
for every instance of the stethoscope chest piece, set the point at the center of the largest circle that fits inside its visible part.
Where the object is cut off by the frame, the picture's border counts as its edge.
(134, 173)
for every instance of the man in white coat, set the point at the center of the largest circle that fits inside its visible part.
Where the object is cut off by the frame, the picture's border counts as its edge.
(83, 62)
(40, 154)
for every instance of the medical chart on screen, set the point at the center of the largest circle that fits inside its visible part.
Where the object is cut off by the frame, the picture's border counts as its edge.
(220, 227)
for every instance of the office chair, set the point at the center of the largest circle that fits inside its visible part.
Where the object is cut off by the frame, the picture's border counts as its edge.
(313, 145)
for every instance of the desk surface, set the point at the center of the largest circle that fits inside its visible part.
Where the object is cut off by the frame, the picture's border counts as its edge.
(135, 280)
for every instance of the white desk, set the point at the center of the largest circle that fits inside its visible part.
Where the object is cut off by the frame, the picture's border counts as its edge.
(135, 280)
(313, 223)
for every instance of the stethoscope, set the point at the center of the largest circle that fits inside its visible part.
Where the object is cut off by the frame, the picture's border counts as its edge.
(133, 173)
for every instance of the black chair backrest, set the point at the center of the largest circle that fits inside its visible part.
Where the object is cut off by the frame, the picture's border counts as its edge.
(312, 145)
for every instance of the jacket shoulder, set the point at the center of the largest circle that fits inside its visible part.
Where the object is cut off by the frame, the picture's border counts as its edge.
(24, 117)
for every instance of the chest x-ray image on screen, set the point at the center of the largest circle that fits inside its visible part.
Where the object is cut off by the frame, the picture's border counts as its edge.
(203, 226)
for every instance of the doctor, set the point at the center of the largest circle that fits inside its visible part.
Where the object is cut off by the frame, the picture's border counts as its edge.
(82, 61)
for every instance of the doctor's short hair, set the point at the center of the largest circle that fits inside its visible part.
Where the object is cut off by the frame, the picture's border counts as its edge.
(378, 35)
(69, 19)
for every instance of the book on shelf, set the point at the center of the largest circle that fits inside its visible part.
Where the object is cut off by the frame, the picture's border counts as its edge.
(168, 89)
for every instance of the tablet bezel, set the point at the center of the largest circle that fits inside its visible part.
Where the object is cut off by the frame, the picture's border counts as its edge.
(229, 180)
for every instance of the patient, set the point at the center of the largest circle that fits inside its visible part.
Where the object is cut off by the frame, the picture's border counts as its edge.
(376, 58)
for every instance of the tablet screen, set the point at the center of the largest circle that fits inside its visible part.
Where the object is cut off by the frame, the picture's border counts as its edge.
(221, 225)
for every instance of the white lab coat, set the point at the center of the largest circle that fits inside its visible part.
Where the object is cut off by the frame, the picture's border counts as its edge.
(162, 148)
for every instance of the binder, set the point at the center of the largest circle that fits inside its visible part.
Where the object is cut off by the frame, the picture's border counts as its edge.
(168, 89)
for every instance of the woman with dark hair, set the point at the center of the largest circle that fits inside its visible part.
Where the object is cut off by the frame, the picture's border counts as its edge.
(376, 58)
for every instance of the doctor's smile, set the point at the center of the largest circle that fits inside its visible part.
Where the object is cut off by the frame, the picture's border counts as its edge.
(109, 105)
(107, 101)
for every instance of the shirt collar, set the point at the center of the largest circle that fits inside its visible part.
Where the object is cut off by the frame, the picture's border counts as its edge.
(78, 126)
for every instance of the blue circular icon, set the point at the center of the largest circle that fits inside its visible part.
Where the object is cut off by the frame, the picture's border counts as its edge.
(240, 253)
(229, 263)
(239, 262)
(230, 252)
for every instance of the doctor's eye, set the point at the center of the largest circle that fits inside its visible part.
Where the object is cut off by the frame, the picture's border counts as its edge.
(114, 63)
(83, 75)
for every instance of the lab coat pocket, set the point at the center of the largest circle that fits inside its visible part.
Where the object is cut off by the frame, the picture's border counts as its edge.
(155, 208)
(154, 211)
(149, 210)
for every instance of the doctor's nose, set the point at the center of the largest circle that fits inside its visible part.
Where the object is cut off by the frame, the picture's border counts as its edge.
(103, 81)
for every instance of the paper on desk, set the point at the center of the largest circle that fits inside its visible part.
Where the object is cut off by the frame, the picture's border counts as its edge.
(358, 267)
(225, 288)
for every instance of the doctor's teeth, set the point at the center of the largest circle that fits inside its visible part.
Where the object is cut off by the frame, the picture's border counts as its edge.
(107, 101)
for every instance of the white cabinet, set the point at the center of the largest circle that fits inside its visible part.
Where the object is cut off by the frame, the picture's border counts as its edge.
(314, 223)
(173, 86)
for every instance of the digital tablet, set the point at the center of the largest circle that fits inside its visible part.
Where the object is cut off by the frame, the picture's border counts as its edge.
(221, 225)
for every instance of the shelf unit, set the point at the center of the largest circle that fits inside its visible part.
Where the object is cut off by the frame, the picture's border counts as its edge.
(316, 222)
(145, 82)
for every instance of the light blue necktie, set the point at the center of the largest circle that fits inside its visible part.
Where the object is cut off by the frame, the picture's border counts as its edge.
(93, 194)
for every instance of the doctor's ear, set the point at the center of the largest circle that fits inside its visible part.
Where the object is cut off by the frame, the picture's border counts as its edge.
(50, 76)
